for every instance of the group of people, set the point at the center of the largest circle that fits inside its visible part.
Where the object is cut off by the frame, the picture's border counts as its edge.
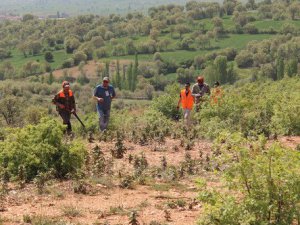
(189, 99)
(105, 93)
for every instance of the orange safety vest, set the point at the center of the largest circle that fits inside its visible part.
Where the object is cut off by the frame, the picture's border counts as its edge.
(217, 94)
(61, 94)
(187, 101)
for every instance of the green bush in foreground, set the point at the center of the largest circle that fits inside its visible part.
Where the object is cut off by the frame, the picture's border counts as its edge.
(40, 148)
(262, 184)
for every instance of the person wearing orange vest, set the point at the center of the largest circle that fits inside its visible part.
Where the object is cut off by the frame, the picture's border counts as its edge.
(65, 104)
(187, 102)
(217, 94)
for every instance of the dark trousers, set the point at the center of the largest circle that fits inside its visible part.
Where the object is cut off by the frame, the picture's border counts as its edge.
(104, 116)
(66, 116)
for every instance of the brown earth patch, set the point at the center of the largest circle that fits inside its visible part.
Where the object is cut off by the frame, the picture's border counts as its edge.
(110, 203)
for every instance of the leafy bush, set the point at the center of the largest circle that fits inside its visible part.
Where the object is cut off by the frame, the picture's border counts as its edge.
(68, 63)
(166, 103)
(49, 56)
(102, 53)
(244, 59)
(250, 29)
(40, 148)
(185, 75)
(262, 184)
(78, 57)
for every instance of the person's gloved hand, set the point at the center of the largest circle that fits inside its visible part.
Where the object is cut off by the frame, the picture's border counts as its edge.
(61, 106)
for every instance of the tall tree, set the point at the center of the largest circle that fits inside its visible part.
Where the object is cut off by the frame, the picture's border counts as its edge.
(294, 10)
(279, 68)
(292, 68)
(51, 78)
(129, 76)
(118, 76)
(231, 74)
(106, 71)
(221, 68)
(10, 109)
(124, 81)
(135, 72)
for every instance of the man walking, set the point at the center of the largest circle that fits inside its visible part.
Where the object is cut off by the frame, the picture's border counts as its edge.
(104, 94)
(199, 90)
(187, 102)
(65, 105)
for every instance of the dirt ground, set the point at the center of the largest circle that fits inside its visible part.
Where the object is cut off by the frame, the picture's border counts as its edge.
(107, 203)
(90, 69)
(290, 141)
(111, 203)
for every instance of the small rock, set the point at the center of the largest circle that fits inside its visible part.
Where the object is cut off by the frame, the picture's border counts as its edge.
(13, 192)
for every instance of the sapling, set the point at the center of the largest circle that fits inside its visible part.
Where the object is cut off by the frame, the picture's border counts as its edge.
(164, 163)
(133, 218)
(41, 179)
(143, 139)
(21, 176)
(91, 138)
(167, 215)
(130, 158)
(189, 163)
(175, 148)
(98, 166)
(119, 149)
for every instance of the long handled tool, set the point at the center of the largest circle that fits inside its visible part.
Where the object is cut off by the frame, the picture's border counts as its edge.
(77, 117)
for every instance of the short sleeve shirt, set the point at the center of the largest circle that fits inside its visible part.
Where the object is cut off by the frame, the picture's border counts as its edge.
(106, 94)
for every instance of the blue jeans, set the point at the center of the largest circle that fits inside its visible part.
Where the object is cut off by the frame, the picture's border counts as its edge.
(103, 119)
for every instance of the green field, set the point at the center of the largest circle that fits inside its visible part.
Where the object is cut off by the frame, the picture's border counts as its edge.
(276, 25)
(234, 41)
(18, 59)
(237, 41)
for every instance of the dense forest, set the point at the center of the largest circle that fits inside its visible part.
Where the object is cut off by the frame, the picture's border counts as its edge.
(237, 164)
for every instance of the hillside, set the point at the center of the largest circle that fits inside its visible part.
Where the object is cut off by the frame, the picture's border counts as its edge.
(172, 42)
(235, 162)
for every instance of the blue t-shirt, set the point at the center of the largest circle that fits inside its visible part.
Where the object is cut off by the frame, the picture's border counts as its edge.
(106, 94)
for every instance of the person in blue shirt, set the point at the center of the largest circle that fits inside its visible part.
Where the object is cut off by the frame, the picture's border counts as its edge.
(104, 93)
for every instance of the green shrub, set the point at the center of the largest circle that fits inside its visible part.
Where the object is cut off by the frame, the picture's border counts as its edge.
(40, 148)
(68, 63)
(244, 59)
(260, 107)
(262, 185)
(48, 56)
(166, 103)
